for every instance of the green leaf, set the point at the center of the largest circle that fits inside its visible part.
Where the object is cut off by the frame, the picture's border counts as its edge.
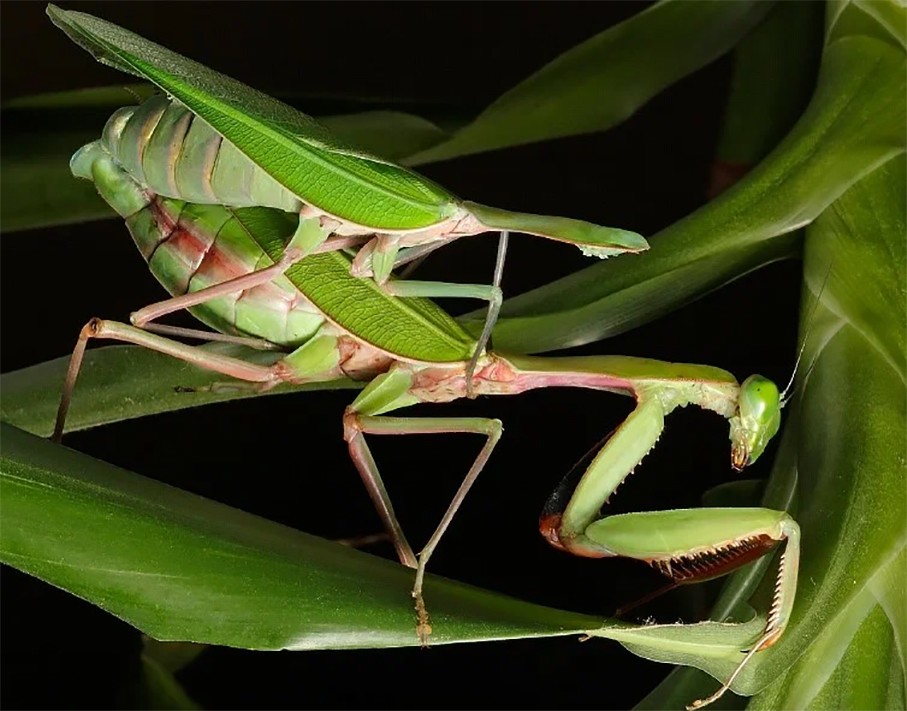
(298, 152)
(123, 382)
(853, 125)
(840, 471)
(604, 80)
(775, 68)
(844, 446)
(163, 559)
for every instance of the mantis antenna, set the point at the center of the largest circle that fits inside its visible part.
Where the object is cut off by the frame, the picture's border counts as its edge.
(788, 392)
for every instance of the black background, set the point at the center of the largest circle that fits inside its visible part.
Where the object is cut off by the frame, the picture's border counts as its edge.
(284, 458)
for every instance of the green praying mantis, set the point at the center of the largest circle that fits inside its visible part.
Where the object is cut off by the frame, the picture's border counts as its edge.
(218, 141)
(257, 275)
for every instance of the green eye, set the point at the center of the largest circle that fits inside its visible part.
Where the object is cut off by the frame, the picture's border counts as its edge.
(760, 414)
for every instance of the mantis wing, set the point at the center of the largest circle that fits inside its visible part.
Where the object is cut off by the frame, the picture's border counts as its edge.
(309, 161)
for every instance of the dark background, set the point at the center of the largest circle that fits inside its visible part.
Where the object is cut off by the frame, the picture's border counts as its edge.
(284, 457)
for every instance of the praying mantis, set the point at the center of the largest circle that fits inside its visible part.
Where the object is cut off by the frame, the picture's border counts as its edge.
(240, 271)
(218, 141)
(257, 275)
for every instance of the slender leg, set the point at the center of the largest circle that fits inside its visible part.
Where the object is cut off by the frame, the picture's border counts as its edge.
(97, 328)
(567, 516)
(383, 253)
(782, 604)
(494, 308)
(309, 361)
(487, 292)
(357, 425)
(248, 281)
(210, 336)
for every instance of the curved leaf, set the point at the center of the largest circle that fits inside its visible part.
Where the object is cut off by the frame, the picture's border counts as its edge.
(841, 466)
(123, 382)
(604, 80)
(844, 445)
(297, 151)
(853, 125)
(162, 559)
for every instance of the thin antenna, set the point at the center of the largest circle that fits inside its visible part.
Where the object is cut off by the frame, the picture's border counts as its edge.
(786, 395)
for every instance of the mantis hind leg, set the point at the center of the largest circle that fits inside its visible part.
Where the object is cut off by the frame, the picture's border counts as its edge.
(317, 359)
(386, 393)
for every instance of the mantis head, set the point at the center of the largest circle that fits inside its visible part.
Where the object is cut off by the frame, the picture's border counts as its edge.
(757, 421)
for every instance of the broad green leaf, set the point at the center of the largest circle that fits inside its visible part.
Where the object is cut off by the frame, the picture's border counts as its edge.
(853, 125)
(298, 152)
(840, 469)
(844, 445)
(604, 80)
(163, 559)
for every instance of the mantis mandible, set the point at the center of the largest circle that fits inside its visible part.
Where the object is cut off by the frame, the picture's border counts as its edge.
(217, 141)
(242, 272)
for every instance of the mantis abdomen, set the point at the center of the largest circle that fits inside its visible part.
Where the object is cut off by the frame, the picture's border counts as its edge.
(174, 153)
(190, 246)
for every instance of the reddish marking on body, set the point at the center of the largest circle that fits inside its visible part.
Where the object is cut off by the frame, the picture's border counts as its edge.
(498, 371)
(549, 527)
(190, 247)
(361, 362)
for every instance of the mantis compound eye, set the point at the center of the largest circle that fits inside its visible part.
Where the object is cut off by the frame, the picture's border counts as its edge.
(759, 412)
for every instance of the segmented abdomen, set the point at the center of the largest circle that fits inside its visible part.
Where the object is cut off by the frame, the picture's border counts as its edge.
(190, 246)
(174, 153)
